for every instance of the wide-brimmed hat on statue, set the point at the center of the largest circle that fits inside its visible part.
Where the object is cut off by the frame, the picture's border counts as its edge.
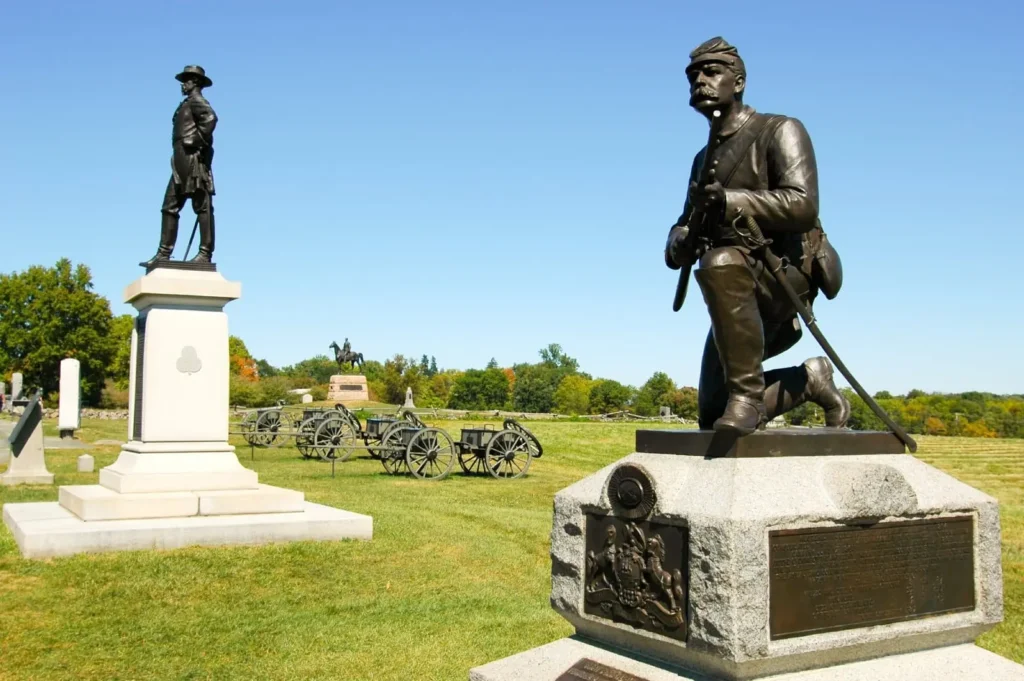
(195, 72)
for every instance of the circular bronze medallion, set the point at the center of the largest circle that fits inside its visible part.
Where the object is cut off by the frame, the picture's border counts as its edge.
(631, 492)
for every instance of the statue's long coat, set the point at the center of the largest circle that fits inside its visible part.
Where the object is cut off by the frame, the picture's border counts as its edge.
(192, 141)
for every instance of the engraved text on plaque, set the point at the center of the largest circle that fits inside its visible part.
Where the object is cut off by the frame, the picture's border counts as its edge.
(824, 579)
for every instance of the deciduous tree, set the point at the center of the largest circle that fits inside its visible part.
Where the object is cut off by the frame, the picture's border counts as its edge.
(49, 314)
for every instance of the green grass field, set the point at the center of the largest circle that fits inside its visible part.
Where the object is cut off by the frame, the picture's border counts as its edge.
(457, 574)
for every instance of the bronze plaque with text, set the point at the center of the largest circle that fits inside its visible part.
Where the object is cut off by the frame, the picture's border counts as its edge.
(824, 579)
(590, 670)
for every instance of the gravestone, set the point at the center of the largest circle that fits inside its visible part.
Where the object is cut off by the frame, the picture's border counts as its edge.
(785, 552)
(17, 382)
(27, 460)
(408, 399)
(86, 464)
(69, 414)
(307, 398)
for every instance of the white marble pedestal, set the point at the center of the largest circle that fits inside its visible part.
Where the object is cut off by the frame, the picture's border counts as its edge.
(177, 481)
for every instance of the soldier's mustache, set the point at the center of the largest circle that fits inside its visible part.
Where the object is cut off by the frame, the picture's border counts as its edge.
(704, 92)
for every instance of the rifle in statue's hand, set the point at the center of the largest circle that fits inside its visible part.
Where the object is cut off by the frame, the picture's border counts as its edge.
(695, 223)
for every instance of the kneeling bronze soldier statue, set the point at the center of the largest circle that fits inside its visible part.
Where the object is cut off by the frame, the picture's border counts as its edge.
(760, 167)
(191, 168)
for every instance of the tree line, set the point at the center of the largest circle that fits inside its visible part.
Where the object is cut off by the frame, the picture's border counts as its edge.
(48, 314)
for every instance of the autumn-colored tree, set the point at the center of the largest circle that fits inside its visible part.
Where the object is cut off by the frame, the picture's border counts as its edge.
(241, 362)
(934, 426)
(978, 429)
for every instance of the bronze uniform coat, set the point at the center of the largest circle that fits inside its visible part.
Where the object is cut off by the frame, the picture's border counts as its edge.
(192, 141)
(772, 177)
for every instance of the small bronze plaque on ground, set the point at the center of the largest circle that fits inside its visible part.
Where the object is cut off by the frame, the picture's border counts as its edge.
(636, 573)
(825, 579)
(590, 670)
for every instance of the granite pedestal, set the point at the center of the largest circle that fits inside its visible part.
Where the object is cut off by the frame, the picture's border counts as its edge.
(348, 388)
(177, 480)
(709, 559)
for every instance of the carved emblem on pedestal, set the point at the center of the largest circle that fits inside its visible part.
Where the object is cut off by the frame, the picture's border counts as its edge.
(636, 568)
(189, 362)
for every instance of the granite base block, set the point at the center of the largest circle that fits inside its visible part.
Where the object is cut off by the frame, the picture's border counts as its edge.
(46, 530)
(549, 662)
(729, 507)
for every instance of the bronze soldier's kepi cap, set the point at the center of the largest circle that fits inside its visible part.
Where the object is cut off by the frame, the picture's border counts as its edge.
(717, 50)
(196, 72)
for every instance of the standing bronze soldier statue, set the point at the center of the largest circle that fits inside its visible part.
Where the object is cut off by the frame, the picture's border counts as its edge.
(191, 168)
(759, 174)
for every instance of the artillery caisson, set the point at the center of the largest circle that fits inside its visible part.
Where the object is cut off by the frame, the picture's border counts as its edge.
(505, 453)
(410, 445)
(322, 432)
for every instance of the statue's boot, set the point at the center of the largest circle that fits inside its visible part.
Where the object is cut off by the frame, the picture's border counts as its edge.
(812, 381)
(206, 237)
(736, 323)
(168, 235)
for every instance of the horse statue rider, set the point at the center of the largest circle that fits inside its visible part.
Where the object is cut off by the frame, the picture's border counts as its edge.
(344, 355)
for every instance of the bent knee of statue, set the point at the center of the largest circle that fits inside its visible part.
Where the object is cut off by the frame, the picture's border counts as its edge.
(721, 257)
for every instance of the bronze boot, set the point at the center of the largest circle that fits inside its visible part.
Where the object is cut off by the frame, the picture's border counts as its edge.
(168, 235)
(812, 381)
(736, 323)
(206, 236)
(822, 390)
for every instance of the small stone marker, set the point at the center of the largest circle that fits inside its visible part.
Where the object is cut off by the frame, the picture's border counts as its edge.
(69, 417)
(28, 465)
(664, 411)
(408, 399)
(17, 380)
(86, 464)
(307, 398)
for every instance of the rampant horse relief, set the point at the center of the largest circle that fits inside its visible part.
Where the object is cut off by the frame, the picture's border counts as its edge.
(636, 569)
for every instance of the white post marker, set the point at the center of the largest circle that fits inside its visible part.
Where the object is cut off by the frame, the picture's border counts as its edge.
(69, 417)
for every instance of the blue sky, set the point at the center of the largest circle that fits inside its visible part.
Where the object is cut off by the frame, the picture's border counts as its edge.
(478, 179)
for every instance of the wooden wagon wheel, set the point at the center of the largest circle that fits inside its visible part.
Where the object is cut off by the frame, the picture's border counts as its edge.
(267, 426)
(430, 454)
(508, 455)
(536, 451)
(334, 438)
(411, 417)
(350, 415)
(470, 461)
(304, 438)
(392, 451)
(248, 427)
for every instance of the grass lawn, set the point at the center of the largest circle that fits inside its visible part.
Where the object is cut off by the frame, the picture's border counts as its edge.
(457, 574)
